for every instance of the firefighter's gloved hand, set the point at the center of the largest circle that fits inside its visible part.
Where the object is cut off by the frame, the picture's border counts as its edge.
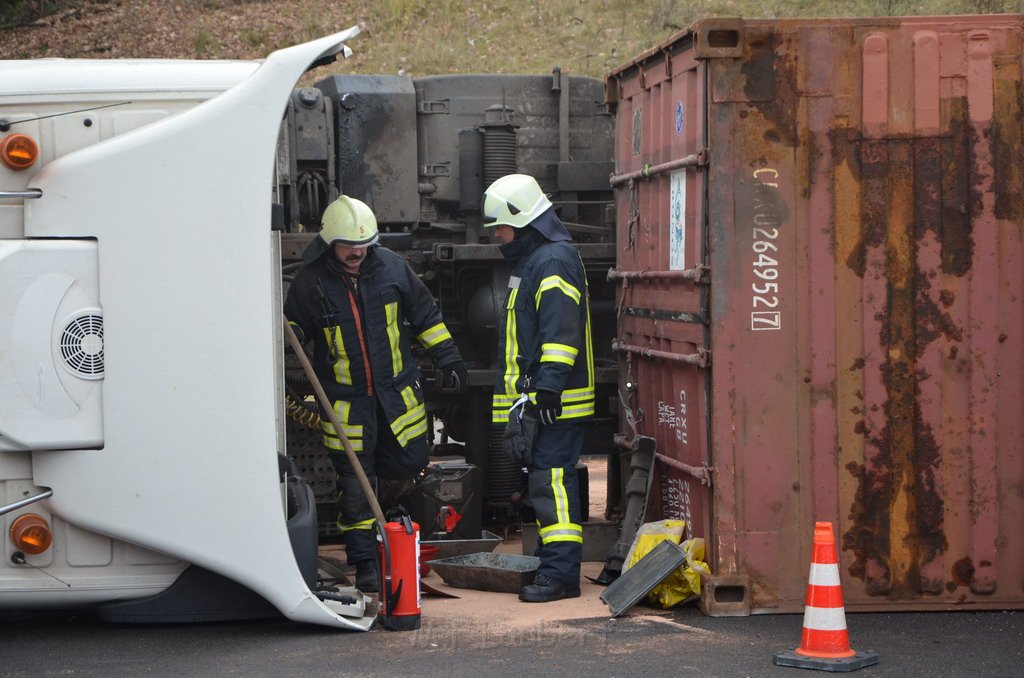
(454, 376)
(520, 433)
(549, 406)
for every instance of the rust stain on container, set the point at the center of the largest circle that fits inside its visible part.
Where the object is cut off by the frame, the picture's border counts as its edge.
(960, 201)
(1006, 142)
(861, 216)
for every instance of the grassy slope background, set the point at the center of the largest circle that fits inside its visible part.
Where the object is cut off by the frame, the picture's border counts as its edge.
(411, 37)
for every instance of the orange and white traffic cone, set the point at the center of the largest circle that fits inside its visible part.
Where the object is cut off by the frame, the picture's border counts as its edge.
(825, 644)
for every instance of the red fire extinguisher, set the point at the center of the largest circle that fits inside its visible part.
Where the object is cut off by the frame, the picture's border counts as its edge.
(400, 587)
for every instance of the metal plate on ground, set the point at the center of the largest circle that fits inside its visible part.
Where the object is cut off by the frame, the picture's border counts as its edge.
(637, 581)
(501, 572)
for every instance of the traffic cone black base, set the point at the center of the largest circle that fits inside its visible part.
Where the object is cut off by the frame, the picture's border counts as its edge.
(857, 661)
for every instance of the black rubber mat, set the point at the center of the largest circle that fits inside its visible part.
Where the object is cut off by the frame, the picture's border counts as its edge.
(637, 581)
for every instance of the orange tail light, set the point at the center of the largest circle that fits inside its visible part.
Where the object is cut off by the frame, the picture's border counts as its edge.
(31, 534)
(18, 151)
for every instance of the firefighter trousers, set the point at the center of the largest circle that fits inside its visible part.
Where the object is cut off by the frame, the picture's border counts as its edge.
(386, 459)
(555, 497)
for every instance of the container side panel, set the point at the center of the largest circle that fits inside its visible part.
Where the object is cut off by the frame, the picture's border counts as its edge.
(818, 481)
(983, 309)
(927, 508)
(1009, 211)
(864, 207)
(754, 254)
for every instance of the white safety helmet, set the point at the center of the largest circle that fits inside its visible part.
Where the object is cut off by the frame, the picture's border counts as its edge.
(349, 222)
(514, 200)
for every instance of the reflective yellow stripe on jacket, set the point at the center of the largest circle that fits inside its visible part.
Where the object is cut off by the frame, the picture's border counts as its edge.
(576, 403)
(434, 335)
(413, 423)
(342, 366)
(556, 282)
(352, 432)
(394, 336)
(511, 346)
(558, 353)
(579, 402)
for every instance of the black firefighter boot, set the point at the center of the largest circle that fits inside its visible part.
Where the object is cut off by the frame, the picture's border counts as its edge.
(544, 590)
(368, 576)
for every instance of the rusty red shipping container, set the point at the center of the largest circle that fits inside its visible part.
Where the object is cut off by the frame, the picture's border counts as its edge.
(821, 278)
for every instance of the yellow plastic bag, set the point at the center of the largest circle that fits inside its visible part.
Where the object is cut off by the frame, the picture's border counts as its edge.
(650, 535)
(682, 584)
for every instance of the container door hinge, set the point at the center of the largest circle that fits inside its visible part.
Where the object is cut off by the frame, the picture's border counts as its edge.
(440, 169)
(434, 107)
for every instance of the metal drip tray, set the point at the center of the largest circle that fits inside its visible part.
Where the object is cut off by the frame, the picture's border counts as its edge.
(501, 572)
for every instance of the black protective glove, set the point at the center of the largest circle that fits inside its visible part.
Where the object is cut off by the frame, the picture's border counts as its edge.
(549, 406)
(454, 376)
(520, 434)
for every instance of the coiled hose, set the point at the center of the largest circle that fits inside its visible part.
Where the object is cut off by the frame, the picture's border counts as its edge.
(300, 410)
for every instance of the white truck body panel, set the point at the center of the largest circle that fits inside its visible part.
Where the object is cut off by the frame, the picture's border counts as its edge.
(73, 103)
(51, 398)
(43, 80)
(192, 360)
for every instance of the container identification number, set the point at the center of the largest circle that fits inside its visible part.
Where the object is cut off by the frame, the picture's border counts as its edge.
(667, 416)
(675, 500)
(764, 252)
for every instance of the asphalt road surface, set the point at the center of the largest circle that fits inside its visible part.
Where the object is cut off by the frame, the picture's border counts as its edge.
(677, 643)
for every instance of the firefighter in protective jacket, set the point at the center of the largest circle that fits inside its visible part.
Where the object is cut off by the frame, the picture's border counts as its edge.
(352, 299)
(546, 357)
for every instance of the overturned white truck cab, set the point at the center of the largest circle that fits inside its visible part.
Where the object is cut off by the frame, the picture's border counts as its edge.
(140, 343)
